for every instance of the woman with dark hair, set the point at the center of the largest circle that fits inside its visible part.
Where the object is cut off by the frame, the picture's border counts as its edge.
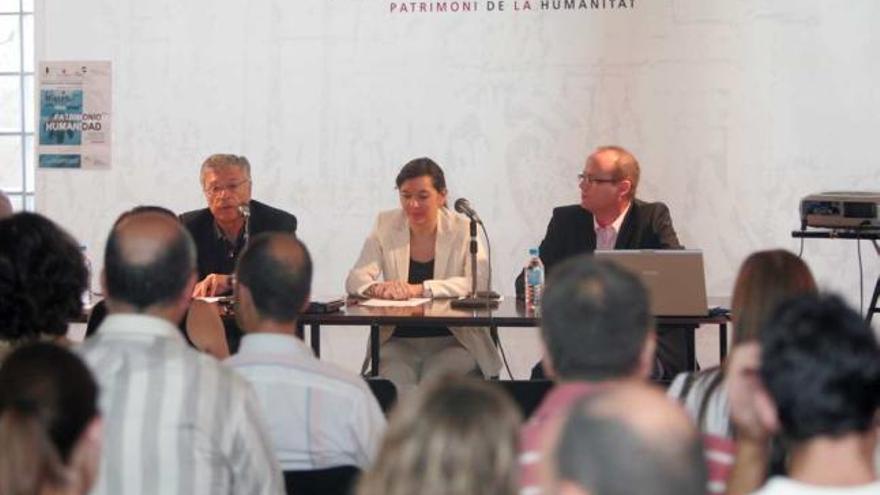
(421, 250)
(50, 430)
(42, 278)
(765, 280)
(456, 436)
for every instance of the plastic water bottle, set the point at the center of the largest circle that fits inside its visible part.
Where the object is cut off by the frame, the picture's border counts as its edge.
(533, 276)
(87, 294)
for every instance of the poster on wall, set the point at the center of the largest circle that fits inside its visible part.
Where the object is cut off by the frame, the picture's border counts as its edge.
(75, 115)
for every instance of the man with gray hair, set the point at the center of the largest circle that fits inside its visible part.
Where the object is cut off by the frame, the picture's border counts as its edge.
(221, 230)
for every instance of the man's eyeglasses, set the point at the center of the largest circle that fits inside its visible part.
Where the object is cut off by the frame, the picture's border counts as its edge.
(231, 188)
(596, 180)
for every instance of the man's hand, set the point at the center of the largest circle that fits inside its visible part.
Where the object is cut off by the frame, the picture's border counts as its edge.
(214, 284)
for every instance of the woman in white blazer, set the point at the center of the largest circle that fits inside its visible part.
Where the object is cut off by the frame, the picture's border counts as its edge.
(421, 250)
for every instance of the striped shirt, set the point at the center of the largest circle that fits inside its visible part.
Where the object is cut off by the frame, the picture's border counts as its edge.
(703, 396)
(556, 403)
(319, 416)
(175, 421)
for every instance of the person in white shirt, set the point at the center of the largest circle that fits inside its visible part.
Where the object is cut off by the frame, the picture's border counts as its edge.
(319, 416)
(176, 421)
(816, 380)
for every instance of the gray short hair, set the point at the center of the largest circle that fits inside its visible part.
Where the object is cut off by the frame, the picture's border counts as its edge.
(223, 160)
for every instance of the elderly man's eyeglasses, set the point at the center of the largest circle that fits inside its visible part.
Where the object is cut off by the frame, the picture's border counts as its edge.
(230, 188)
(596, 180)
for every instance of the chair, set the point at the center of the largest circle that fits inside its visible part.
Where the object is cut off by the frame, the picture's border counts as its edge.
(385, 392)
(96, 317)
(330, 481)
(873, 308)
(527, 394)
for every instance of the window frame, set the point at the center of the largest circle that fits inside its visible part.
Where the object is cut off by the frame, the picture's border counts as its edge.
(23, 195)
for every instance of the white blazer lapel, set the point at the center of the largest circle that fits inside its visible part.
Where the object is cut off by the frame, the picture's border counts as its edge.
(443, 245)
(399, 250)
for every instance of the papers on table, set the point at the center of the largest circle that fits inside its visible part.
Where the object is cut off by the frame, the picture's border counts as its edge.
(213, 299)
(387, 303)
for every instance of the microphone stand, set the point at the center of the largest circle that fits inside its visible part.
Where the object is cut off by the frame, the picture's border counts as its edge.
(245, 211)
(476, 299)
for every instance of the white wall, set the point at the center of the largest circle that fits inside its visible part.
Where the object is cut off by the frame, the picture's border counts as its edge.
(736, 109)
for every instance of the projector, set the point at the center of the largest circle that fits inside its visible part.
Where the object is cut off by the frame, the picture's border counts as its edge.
(841, 210)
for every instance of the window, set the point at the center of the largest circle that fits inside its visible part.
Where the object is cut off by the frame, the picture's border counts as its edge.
(17, 102)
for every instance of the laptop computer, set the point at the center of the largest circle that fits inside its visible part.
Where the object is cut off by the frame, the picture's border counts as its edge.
(675, 279)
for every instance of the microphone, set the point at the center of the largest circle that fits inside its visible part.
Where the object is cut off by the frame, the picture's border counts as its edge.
(245, 210)
(464, 206)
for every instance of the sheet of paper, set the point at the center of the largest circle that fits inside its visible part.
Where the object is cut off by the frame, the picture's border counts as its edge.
(212, 299)
(387, 303)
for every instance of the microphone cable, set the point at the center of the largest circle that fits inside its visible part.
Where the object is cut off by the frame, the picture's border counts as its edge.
(489, 289)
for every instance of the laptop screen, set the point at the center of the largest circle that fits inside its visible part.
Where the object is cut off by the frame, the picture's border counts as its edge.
(675, 279)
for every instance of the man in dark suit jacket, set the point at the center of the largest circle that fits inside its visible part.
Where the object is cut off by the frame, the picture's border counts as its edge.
(609, 217)
(222, 229)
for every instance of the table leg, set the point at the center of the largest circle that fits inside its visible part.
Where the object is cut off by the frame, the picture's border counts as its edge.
(722, 341)
(315, 338)
(873, 308)
(374, 350)
(691, 348)
(300, 331)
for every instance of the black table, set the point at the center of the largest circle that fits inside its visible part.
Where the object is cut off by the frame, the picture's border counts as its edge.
(870, 234)
(510, 313)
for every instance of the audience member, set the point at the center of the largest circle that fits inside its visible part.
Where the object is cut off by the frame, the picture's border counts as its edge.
(222, 229)
(765, 279)
(318, 415)
(177, 421)
(42, 278)
(453, 436)
(816, 381)
(99, 310)
(623, 440)
(50, 429)
(5, 206)
(597, 333)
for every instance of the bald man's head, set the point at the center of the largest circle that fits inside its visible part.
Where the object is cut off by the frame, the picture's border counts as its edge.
(277, 270)
(5, 206)
(629, 439)
(148, 261)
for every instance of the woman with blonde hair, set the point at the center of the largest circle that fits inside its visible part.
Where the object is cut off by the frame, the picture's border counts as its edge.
(50, 429)
(453, 436)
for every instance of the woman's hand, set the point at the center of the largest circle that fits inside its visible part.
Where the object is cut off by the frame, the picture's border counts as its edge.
(396, 290)
(744, 393)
